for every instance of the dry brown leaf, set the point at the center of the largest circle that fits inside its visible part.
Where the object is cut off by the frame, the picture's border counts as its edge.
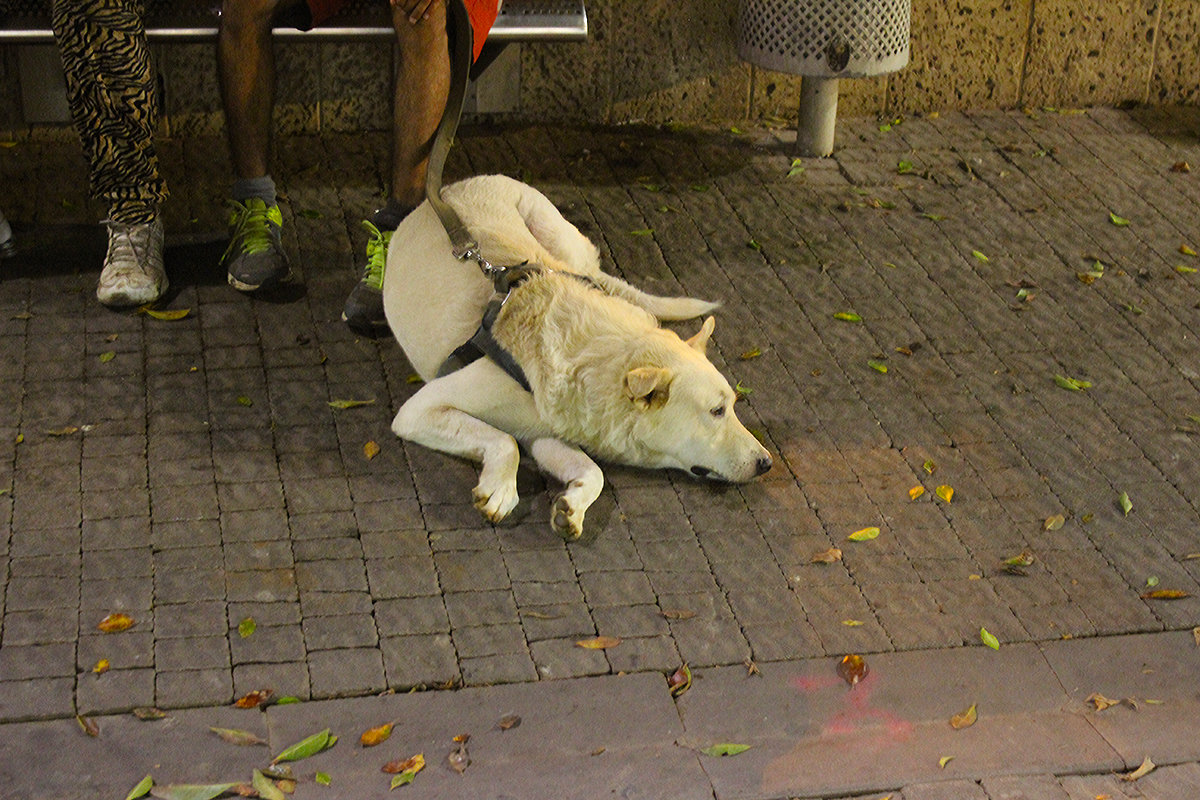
(964, 719)
(509, 722)
(1196, 635)
(239, 737)
(598, 642)
(88, 725)
(254, 699)
(1165, 594)
(115, 623)
(1100, 701)
(852, 669)
(416, 764)
(1145, 769)
(458, 759)
(678, 613)
(375, 736)
(826, 556)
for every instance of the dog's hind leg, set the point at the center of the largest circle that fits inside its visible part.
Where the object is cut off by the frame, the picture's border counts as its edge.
(582, 478)
(440, 416)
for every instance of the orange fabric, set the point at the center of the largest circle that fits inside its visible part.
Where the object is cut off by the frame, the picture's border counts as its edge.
(482, 13)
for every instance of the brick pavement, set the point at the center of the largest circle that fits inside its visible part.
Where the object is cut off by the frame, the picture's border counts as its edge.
(210, 481)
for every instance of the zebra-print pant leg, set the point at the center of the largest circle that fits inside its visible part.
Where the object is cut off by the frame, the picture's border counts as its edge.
(112, 90)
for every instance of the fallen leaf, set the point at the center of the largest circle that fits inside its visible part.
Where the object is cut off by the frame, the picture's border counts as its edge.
(749, 354)
(89, 726)
(1145, 769)
(642, 232)
(458, 759)
(980, 256)
(141, 790)
(852, 623)
(1181, 166)
(916, 492)
(375, 736)
(796, 168)
(414, 378)
(678, 613)
(192, 791)
(509, 722)
(878, 366)
(751, 667)
(1072, 384)
(944, 760)
(371, 449)
(1054, 523)
(847, 316)
(598, 642)
(680, 681)
(828, 556)
(246, 627)
(149, 713)
(322, 778)
(1182, 270)
(171, 315)
(102, 666)
(988, 639)
(753, 244)
(852, 669)
(107, 356)
(240, 738)
(304, 748)
(342, 404)
(1115, 220)
(864, 535)
(265, 787)
(742, 391)
(945, 492)
(1196, 635)
(904, 167)
(1152, 581)
(405, 771)
(725, 749)
(254, 699)
(1126, 503)
(243, 400)
(1017, 564)
(310, 213)
(116, 622)
(1165, 594)
(964, 719)
(1100, 701)
(66, 431)
(929, 466)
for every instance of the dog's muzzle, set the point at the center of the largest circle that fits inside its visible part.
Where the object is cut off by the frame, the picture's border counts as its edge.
(761, 467)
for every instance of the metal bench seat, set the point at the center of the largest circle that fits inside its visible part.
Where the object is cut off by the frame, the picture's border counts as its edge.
(28, 22)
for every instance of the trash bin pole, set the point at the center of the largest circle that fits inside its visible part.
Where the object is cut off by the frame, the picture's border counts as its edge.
(818, 115)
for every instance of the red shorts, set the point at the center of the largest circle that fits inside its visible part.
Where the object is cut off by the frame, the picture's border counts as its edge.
(482, 13)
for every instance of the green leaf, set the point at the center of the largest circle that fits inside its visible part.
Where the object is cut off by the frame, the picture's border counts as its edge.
(796, 168)
(742, 391)
(1126, 503)
(266, 787)
(878, 366)
(247, 627)
(141, 790)
(287, 701)
(309, 213)
(980, 256)
(725, 749)
(403, 779)
(244, 401)
(864, 535)
(1115, 220)
(847, 316)
(1072, 384)
(322, 778)
(1182, 270)
(988, 639)
(1152, 581)
(642, 232)
(753, 244)
(342, 404)
(306, 747)
(904, 167)
(191, 791)
(240, 738)
(107, 357)
(699, 187)
(934, 217)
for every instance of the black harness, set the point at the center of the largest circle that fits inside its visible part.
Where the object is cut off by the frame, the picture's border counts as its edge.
(483, 343)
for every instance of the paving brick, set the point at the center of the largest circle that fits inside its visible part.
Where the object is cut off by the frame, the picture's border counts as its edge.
(178, 655)
(288, 679)
(563, 658)
(427, 660)
(37, 698)
(331, 576)
(498, 669)
(489, 640)
(25, 662)
(480, 608)
(115, 690)
(1023, 787)
(193, 688)
(280, 643)
(615, 588)
(127, 650)
(471, 571)
(945, 790)
(412, 615)
(41, 626)
(631, 621)
(346, 671)
(556, 621)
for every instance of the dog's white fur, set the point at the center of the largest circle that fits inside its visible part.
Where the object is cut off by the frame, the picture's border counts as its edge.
(603, 375)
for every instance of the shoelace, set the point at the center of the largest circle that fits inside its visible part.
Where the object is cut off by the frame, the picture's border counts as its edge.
(377, 247)
(250, 222)
(135, 244)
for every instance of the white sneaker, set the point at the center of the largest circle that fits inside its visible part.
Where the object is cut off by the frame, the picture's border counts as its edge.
(133, 269)
(5, 236)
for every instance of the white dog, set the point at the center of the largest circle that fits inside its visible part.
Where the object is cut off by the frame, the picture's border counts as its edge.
(602, 375)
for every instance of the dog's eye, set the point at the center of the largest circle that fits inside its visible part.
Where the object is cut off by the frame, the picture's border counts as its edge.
(719, 411)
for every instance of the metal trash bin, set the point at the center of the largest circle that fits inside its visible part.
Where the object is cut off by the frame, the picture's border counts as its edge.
(824, 40)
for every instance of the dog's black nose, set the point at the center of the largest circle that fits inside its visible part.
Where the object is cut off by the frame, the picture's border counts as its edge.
(763, 465)
(701, 471)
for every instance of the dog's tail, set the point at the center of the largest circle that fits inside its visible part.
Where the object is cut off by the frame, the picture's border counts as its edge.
(664, 308)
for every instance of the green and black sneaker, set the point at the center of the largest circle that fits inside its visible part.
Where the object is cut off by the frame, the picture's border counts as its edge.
(255, 257)
(364, 307)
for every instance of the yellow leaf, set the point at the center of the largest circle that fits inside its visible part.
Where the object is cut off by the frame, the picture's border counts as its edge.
(944, 760)
(1100, 701)
(167, 315)
(964, 719)
(916, 492)
(1165, 594)
(864, 535)
(375, 736)
(371, 449)
(1053, 523)
(101, 666)
(598, 642)
(945, 492)
(1187, 251)
(852, 623)
(115, 623)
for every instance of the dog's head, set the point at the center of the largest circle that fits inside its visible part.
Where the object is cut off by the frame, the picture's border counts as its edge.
(683, 415)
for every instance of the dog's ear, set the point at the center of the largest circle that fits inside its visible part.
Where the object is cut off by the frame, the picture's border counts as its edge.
(648, 387)
(700, 340)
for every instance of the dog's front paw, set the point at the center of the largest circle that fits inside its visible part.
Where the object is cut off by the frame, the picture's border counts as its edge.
(495, 503)
(566, 521)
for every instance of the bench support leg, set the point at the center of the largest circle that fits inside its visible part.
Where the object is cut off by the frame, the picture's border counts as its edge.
(818, 113)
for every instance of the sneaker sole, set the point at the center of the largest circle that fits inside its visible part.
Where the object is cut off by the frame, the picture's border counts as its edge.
(365, 327)
(270, 283)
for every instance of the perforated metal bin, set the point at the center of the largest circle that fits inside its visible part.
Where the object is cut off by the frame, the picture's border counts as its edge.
(824, 40)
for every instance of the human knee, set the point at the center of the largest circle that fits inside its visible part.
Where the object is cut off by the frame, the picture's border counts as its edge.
(251, 15)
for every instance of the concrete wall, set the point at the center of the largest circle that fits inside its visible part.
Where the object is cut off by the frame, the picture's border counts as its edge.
(662, 61)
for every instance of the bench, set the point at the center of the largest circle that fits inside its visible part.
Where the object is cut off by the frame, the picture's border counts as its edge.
(28, 22)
